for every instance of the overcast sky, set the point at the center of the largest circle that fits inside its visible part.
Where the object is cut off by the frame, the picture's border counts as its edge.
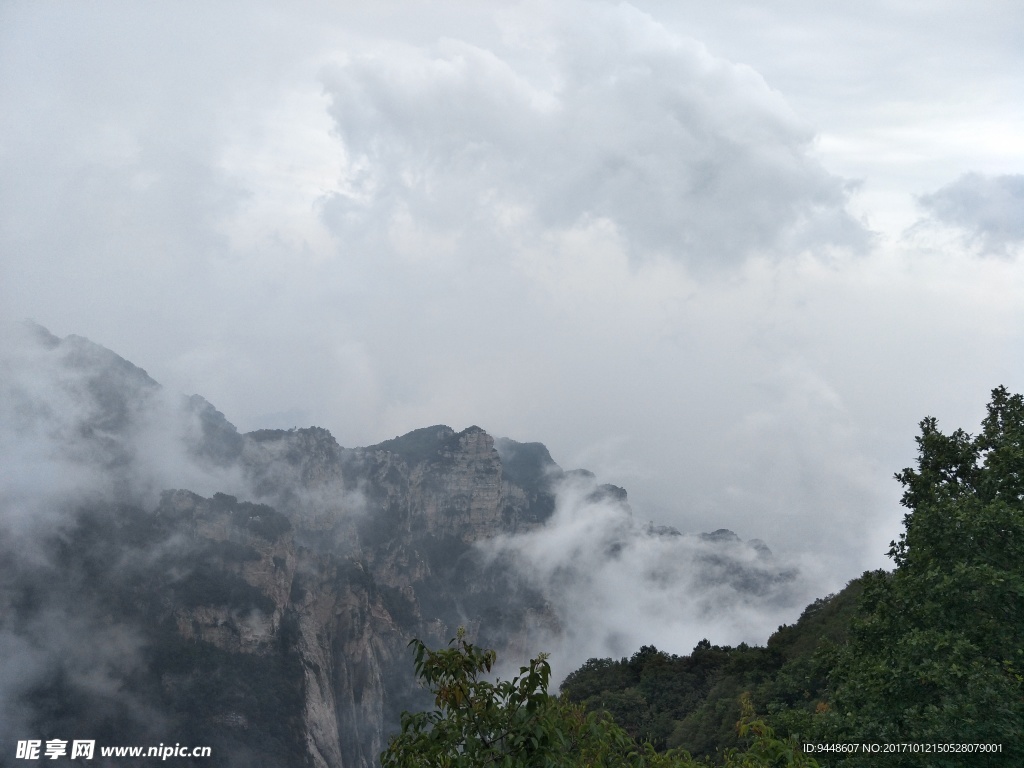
(726, 256)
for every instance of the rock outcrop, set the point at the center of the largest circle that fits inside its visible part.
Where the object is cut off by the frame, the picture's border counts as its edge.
(373, 546)
(271, 624)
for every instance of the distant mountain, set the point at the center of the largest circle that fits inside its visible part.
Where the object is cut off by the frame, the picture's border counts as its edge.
(164, 578)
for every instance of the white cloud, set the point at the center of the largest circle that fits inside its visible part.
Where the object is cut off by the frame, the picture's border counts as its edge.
(616, 584)
(617, 120)
(78, 425)
(376, 219)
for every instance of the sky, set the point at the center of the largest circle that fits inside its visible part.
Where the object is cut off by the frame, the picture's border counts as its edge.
(726, 257)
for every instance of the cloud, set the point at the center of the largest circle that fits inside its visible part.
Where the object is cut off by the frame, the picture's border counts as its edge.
(79, 425)
(87, 443)
(372, 221)
(616, 584)
(64, 650)
(604, 115)
(989, 209)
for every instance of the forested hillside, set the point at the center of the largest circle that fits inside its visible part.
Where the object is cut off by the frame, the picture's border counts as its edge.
(931, 653)
(693, 701)
(927, 659)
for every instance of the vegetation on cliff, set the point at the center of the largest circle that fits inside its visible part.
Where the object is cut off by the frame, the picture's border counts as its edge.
(477, 723)
(932, 652)
(936, 652)
(285, 610)
(929, 654)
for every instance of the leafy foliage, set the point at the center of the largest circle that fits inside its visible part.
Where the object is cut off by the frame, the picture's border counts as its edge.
(513, 723)
(693, 702)
(931, 653)
(477, 722)
(937, 653)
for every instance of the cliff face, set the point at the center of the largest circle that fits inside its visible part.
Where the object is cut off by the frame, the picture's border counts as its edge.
(272, 624)
(372, 548)
(399, 520)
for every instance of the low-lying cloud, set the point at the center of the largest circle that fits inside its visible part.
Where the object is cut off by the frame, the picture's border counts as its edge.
(80, 429)
(80, 424)
(616, 584)
(83, 427)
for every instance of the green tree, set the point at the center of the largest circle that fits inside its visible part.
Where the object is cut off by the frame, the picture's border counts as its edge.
(765, 750)
(937, 653)
(478, 723)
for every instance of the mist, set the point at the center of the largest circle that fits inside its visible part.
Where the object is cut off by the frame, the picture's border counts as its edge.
(617, 583)
(84, 430)
(716, 255)
(81, 431)
(684, 248)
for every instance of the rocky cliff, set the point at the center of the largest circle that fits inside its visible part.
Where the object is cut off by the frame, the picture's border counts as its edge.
(269, 621)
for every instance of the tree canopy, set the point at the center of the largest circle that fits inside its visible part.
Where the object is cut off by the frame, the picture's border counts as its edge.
(937, 652)
(517, 724)
(931, 653)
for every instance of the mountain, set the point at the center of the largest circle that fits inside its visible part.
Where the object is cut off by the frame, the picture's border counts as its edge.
(693, 701)
(166, 579)
(927, 654)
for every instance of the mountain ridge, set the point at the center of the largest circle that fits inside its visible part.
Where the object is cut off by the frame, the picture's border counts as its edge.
(217, 556)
